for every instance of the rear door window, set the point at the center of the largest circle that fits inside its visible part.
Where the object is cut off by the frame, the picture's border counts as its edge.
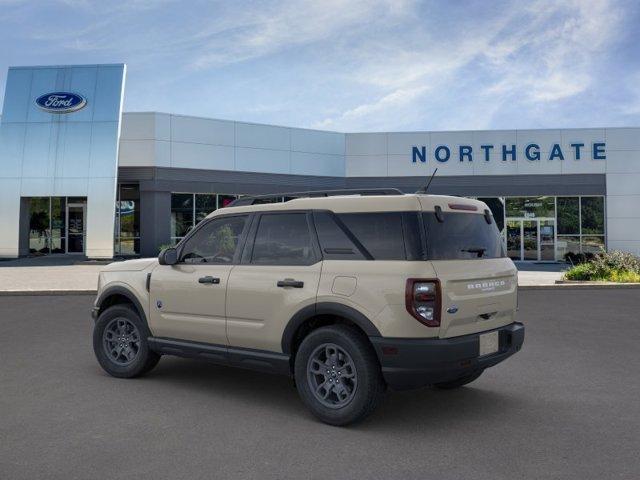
(461, 236)
(283, 239)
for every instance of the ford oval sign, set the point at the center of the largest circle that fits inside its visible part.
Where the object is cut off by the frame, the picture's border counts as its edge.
(61, 102)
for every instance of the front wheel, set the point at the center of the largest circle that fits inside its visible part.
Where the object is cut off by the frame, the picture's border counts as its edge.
(120, 343)
(338, 376)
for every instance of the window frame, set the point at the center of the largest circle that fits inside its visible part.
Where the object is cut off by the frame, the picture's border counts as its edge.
(241, 241)
(247, 252)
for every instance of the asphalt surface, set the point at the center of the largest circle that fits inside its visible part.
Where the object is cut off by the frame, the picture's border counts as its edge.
(566, 406)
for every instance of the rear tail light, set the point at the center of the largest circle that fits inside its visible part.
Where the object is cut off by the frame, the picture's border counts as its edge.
(422, 298)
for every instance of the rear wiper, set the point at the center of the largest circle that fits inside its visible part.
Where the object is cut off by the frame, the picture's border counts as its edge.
(479, 251)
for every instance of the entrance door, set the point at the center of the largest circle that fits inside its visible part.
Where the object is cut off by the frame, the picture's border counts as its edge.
(75, 227)
(547, 229)
(531, 239)
(514, 239)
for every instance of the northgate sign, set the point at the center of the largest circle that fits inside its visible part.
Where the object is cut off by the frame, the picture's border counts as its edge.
(577, 151)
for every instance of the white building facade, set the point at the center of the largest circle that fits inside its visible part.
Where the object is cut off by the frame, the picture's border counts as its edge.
(97, 181)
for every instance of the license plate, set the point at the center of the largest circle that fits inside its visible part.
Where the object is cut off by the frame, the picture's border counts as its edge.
(489, 343)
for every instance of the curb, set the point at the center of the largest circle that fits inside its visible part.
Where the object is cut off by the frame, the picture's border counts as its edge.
(18, 293)
(581, 286)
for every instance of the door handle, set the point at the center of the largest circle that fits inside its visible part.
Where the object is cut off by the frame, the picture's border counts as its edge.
(290, 282)
(208, 279)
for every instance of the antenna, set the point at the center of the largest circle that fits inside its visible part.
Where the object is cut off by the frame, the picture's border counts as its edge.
(426, 187)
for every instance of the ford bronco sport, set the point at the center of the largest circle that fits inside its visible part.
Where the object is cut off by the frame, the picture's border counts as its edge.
(347, 293)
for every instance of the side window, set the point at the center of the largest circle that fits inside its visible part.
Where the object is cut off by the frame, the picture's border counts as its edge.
(380, 233)
(334, 242)
(283, 239)
(215, 242)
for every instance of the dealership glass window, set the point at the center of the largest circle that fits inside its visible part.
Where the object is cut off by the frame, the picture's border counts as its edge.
(127, 229)
(48, 224)
(182, 215)
(568, 215)
(530, 207)
(592, 215)
(225, 200)
(58, 221)
(189, 209)
(567, 244)
(205, 204)
(592, 244)
(39, 228)
(580, 220)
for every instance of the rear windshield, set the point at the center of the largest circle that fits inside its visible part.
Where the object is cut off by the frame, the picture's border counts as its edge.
(462, 236)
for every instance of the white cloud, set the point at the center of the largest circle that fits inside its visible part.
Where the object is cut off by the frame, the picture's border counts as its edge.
(252, 33)
(534, 55)
(346, 64)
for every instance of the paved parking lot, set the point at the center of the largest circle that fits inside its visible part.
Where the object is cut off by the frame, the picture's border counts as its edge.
(565, 407)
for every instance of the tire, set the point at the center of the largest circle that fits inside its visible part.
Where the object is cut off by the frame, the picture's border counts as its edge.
(132, 357)
(359, 386)
(459, 382)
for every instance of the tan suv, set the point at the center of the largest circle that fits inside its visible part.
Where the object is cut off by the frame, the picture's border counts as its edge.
(347, 292)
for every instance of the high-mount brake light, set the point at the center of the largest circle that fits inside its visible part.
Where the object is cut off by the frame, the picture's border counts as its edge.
(462, 206)
(422, 299)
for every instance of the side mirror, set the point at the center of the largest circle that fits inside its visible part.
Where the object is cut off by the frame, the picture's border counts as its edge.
(168, 256)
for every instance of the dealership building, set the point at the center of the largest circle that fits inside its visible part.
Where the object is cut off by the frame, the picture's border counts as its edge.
(79, 176)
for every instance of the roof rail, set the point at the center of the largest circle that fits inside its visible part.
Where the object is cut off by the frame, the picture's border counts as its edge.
(251, 200)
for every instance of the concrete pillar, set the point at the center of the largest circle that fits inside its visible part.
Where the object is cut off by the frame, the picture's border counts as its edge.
(155, 221)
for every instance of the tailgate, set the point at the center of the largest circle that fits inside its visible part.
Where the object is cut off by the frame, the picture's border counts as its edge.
(477, 295)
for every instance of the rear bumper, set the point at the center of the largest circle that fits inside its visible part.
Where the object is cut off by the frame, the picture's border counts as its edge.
(411, 363)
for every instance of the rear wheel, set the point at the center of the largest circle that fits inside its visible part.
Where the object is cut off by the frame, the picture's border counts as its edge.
(120, 343)
(338, 376)
(459, 382)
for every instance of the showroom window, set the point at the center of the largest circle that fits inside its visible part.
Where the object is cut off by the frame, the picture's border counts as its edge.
(127, 228)
(57, 225)
(189, 209)
(538, 226)
(580, 225)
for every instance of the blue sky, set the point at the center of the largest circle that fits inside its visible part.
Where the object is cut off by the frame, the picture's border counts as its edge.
(351, 65)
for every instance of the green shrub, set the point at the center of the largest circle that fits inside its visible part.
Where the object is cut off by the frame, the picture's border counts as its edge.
(582, 271)
(622, 276)
(616, 260)
(612, 266)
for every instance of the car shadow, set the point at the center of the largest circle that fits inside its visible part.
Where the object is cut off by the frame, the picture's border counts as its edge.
(399, 411)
